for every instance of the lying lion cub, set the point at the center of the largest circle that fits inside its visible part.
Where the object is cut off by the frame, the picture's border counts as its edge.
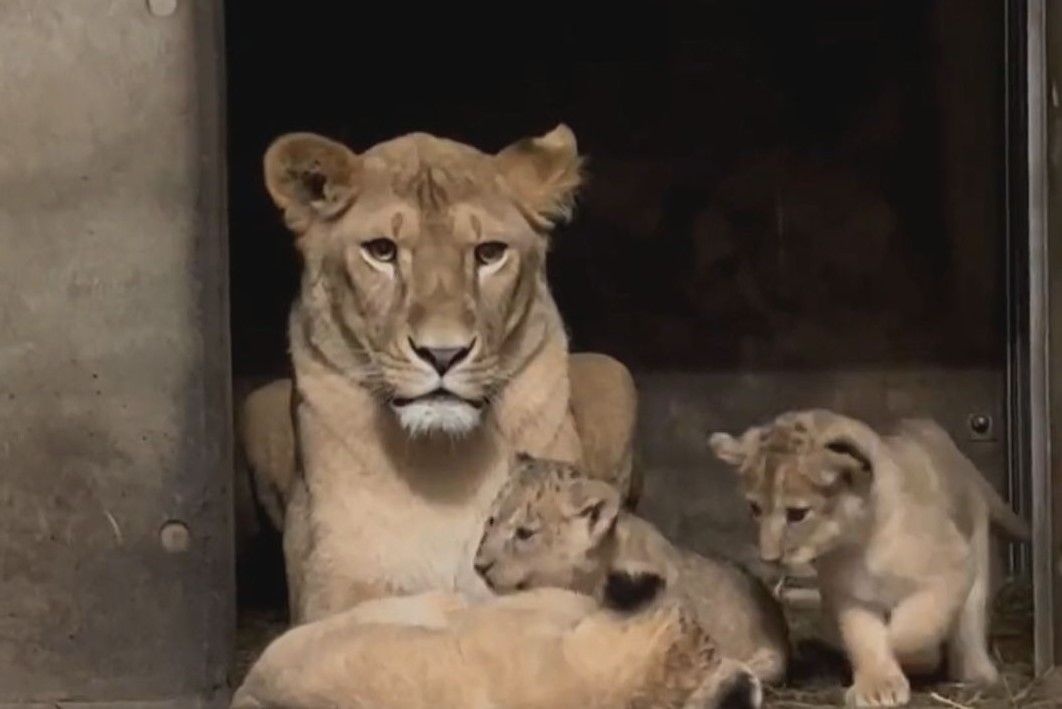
(897, 529)
(551, 525)
(543, 649)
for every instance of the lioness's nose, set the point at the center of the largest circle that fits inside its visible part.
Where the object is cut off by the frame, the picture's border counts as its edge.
(483, 567)
(442, 359)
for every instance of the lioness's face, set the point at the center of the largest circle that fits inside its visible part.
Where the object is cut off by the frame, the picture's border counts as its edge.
(805, 495)
(425, 258)
(433, 297)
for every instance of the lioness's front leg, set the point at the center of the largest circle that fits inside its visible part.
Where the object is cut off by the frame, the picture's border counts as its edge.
(878, 680)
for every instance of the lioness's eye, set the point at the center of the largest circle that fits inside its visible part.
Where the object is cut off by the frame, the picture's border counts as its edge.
(755, 509)
(524, 533)
(796, 514)
(383, 250)
(490, 252)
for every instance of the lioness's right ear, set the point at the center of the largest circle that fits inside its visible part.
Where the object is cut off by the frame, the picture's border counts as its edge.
(543, 174)
(728, 449)
(310, 177)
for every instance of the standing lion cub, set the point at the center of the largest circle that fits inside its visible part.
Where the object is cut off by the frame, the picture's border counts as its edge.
(897, 528)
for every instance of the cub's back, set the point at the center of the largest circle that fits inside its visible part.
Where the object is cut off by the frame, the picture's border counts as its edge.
(732, 605)
(738, 609)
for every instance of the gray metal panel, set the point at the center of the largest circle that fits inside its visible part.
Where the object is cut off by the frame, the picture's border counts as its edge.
(1042, 371)
(114, 403)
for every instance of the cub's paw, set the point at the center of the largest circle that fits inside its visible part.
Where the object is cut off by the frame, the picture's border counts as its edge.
(887, 689)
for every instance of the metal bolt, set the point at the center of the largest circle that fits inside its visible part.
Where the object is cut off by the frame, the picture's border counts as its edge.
(175, 537)
(980, 425)
(162, 8)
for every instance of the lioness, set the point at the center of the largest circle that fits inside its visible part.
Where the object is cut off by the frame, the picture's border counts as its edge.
(542, 649)
(426, 346)
(551, 525)
(897, 528)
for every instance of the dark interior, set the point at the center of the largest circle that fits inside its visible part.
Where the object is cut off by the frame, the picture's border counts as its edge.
(768, 179)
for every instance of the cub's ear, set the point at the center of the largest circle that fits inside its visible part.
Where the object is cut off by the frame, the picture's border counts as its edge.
(846, 462)
(543, 174)
(310, 177)
(730, 450)
(596, 502)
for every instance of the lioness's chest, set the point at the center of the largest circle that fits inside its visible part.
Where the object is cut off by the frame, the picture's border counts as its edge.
(378, 529)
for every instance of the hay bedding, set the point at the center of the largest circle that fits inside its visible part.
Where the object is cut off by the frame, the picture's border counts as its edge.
(819, 675)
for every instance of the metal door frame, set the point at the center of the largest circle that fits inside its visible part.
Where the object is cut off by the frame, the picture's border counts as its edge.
(1044, 372)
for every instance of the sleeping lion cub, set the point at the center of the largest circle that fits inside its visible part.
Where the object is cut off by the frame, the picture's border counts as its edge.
(552, 525)
(897, 528)
(544, 649)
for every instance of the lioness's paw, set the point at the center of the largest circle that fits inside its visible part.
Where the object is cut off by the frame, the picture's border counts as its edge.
(890, 689)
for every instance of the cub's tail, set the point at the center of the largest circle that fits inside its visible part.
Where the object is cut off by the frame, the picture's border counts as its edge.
(1002, 515)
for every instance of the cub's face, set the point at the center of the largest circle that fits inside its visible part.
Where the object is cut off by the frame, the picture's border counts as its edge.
(806, 492)
(424, 263)
(545, 528)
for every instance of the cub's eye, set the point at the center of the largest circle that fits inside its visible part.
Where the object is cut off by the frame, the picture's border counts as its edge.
(490, 252)
(490, 521)
(383, 250)
(795, 514)
(524, 533)
(755, 509)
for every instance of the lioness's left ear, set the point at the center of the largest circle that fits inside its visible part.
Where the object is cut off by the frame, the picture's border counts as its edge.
(598, 503)
(543, 174)
(310, 177)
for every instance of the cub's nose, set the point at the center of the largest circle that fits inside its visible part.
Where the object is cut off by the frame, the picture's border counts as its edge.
(482, 567)
(442, 359)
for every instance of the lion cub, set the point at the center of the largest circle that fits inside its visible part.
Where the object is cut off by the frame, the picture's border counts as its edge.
(897, 528)
(551, 525)
(541, 649)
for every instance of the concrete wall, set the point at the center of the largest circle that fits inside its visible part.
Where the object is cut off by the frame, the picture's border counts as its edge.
(115, 538)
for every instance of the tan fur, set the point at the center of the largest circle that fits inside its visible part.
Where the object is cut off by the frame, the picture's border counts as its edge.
(399, 455)
(604, 404)
(551, 525)
(897, 529)
(542, 649)
(267, 438)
